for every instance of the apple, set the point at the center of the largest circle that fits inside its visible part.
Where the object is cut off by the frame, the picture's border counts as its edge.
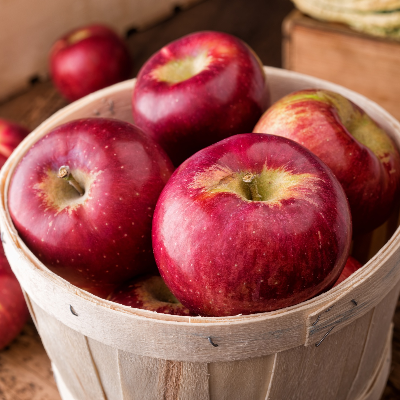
(11, 135)
(198, 90)
(360, 153)
(87, 59)
(13, 310)
(250, 224)
(82, 199)
(351, 266)
(149, 293)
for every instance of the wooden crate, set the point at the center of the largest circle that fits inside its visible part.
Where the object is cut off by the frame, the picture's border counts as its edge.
(330, 51)
(335, 346)
(29, 28)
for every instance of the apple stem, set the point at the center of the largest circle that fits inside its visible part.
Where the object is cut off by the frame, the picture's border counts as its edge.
(249, 178)
(65, 173)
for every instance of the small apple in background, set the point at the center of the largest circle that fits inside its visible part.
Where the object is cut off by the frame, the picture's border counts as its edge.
(250, 224)
(198, 90)
(13, 310)
(93, 228)
(149, 293)
(11, 135)
(87, 59)
(352, 265)
(361, 154)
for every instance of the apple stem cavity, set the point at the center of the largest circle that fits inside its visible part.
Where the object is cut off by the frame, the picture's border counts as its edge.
(249, 179)
(65, 173)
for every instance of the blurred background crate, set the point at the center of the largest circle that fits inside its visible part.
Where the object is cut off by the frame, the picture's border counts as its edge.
(28, 30)
(332, 51)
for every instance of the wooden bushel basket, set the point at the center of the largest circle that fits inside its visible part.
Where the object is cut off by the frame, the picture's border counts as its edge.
(335, 346)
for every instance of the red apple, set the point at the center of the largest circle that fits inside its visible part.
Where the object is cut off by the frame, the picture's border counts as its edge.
(198, 90)
(149, 293)
(360, 153)
(87, 59)
(11, 135)
(103, 237)
(13, 310)
(253, 223)
(351, 266)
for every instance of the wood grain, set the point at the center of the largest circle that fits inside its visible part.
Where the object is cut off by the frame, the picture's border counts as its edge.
(105, 360)
(330, 51)
(380, 322)
(309, 364)
(229, 380)
(69, 351)
(25, 369)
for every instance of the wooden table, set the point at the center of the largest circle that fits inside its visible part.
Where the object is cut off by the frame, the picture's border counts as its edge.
(25, 371)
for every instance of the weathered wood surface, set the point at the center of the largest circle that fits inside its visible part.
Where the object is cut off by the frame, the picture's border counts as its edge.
(258, 23)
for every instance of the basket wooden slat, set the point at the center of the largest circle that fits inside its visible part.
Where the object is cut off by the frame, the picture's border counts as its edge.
(69, 350)
(250, 376)
(374, 346)
(105, 359)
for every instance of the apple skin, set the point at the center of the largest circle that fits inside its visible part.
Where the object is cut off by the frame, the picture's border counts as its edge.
(198, 90)
(87, 59)
(351, 266)
(223, 254)
(13, 310)
(361, 154)
(149, 293)
(103, 238)
(11, 135)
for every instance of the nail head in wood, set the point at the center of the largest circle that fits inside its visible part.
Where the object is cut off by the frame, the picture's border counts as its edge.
(73, 311)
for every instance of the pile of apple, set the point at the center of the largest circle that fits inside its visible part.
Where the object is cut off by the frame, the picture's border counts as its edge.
(241, 206)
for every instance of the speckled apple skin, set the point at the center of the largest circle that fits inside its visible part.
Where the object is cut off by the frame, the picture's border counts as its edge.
(11, 135)
(106, 239)
(371, 181)
(226, 98)
(98, 60)
(223, 255)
